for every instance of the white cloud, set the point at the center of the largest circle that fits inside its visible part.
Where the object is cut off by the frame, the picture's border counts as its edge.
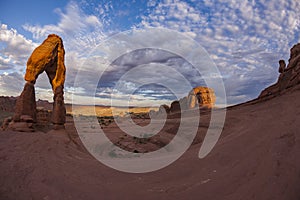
(14, 48)
(93, 21)
(176, 15)
(6, 86)
(72, 23)
(244, 38)
(263, 30)
(80, 33)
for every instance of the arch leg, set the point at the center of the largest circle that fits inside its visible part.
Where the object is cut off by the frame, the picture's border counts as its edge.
(26, 104)
(59, 110)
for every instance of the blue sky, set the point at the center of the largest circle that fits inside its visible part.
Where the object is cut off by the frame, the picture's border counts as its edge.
(16, 13)
(245, 39)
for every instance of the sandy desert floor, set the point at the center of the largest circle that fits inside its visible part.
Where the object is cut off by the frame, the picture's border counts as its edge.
(257, 157)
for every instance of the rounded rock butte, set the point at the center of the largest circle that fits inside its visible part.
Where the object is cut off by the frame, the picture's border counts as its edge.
(49, 58)
(198, 98)
(201, 96)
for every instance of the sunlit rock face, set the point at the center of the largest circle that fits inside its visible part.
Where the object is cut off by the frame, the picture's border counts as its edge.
(202, 97)
(198, 97)
(49, 58)
(289, 75)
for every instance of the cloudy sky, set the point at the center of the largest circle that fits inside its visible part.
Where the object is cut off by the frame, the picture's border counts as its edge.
(244, 39)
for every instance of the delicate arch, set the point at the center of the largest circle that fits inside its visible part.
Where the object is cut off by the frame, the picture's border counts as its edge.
(48, 57)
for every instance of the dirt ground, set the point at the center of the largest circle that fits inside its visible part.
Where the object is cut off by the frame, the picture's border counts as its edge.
(257, 157)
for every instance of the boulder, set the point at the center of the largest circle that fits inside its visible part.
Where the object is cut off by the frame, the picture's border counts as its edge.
(5, 123)
(26, 118)
(21, 126)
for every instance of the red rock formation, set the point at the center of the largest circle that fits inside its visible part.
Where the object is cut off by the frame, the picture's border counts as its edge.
(282, 66)
(48, 57)
(59, 110)
(175, 106)
(184, 103)
(289, 76)
(198, 97)
(26, 104)
(201, 96)
(163, 109)
(7, 104)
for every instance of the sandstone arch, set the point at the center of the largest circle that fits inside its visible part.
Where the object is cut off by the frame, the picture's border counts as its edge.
(49, 58)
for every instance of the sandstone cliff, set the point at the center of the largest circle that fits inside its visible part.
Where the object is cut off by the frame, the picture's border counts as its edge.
(289, 75)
